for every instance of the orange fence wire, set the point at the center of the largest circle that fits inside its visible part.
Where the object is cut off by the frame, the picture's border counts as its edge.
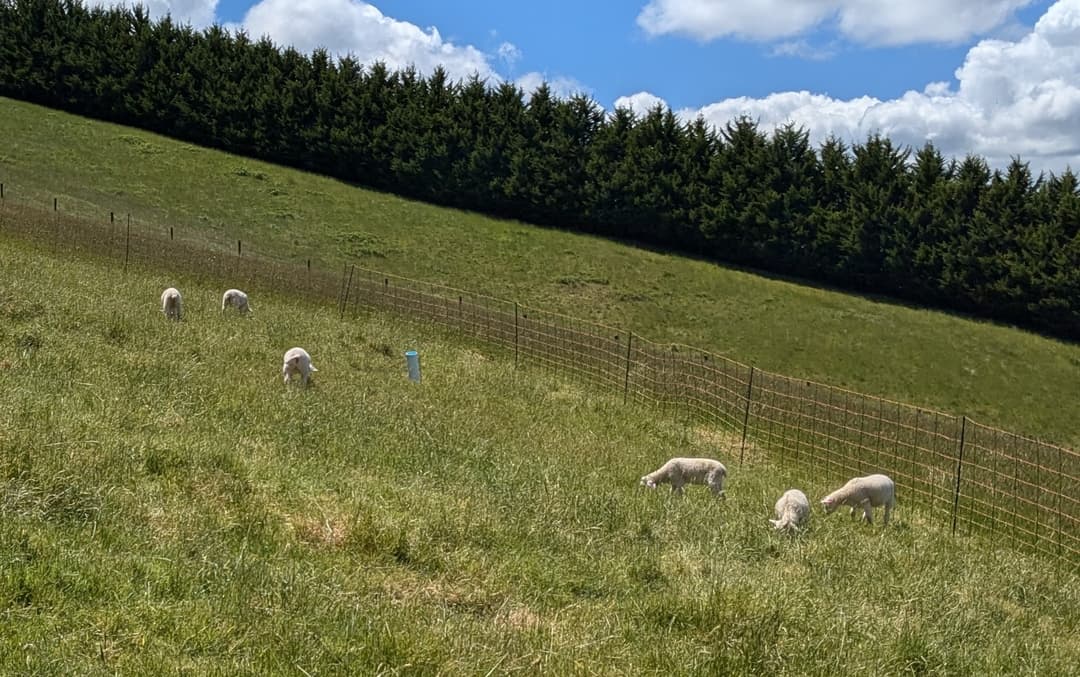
(962, 475)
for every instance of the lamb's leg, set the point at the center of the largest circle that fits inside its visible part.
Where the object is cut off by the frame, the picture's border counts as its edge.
(716, 483)
(867, 510)
(676, 487)
(888, 509)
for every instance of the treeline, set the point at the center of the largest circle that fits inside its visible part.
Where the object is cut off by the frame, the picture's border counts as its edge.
(872, 217)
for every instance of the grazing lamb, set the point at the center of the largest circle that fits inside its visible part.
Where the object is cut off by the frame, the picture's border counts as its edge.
(792, 509)
(237, 299)
(171, 303)
(298, 362)
(680, 471)
(866, 493)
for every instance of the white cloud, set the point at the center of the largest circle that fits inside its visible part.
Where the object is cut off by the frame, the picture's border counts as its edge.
(358, 28)
(561, 86)
(1017, 97)
(879, 22)
(801, 49)
(640, 103)
(198, 13)
(709, 19)
(509, 53)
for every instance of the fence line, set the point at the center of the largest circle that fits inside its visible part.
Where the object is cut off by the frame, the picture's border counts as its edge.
(961, 475)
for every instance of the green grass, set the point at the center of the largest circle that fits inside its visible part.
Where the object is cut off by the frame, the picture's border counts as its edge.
(168, 506)
(998, 375)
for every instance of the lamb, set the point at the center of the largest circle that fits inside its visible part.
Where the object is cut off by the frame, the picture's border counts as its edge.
(792, 509)
(171, 303)
(298, 362)
(237, 299)
(865, 492)
(681, 471)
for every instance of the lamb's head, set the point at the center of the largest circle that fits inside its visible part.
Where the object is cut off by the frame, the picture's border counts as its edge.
(829, 503)
(647, 481)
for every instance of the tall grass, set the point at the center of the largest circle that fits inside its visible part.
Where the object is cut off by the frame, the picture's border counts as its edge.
(166, 505)
(997, 375)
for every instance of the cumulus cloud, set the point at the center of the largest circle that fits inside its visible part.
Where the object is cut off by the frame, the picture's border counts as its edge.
(358, 28)
(198, 13)
(878, 22)
(1017, 97)
(640, 103)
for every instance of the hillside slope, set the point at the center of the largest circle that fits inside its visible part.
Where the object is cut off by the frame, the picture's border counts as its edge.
(167, 505)
(1000, 375)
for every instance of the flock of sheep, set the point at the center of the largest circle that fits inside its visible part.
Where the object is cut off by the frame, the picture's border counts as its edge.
(792, 509)
(297, 361)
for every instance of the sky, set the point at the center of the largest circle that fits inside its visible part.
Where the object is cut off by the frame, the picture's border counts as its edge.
(994, 78)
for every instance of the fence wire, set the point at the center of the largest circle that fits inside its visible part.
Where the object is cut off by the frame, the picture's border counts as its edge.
(961, 475)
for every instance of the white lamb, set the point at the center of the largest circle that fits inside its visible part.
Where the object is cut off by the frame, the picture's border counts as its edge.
(171, 303)
(866, 493)
(792, 510)
(297, 362)
(237, 299)
(681, 471)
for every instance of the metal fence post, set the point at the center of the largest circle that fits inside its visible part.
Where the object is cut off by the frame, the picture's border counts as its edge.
(127, 243)
(515, 335)
(959, 467)
(348, 286)
(341, 287)
(1058, 506)
(626, 376)
(746, 413)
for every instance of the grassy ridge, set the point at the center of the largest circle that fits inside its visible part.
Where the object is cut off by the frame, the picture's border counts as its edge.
(167, 505)
(998, 375)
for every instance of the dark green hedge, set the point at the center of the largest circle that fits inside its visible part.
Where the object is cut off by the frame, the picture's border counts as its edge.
(874, 217)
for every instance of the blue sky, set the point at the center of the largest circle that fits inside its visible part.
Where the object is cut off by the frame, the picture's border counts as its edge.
(992, 77)
(600, 45)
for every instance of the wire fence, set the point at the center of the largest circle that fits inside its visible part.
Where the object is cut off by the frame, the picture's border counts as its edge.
(963, 476)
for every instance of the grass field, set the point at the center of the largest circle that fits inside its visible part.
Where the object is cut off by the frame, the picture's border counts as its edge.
(999, 375)
(168, 506)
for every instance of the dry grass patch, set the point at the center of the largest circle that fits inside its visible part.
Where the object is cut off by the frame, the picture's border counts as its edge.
(409, 588)
(327, 531)
(728, 446)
